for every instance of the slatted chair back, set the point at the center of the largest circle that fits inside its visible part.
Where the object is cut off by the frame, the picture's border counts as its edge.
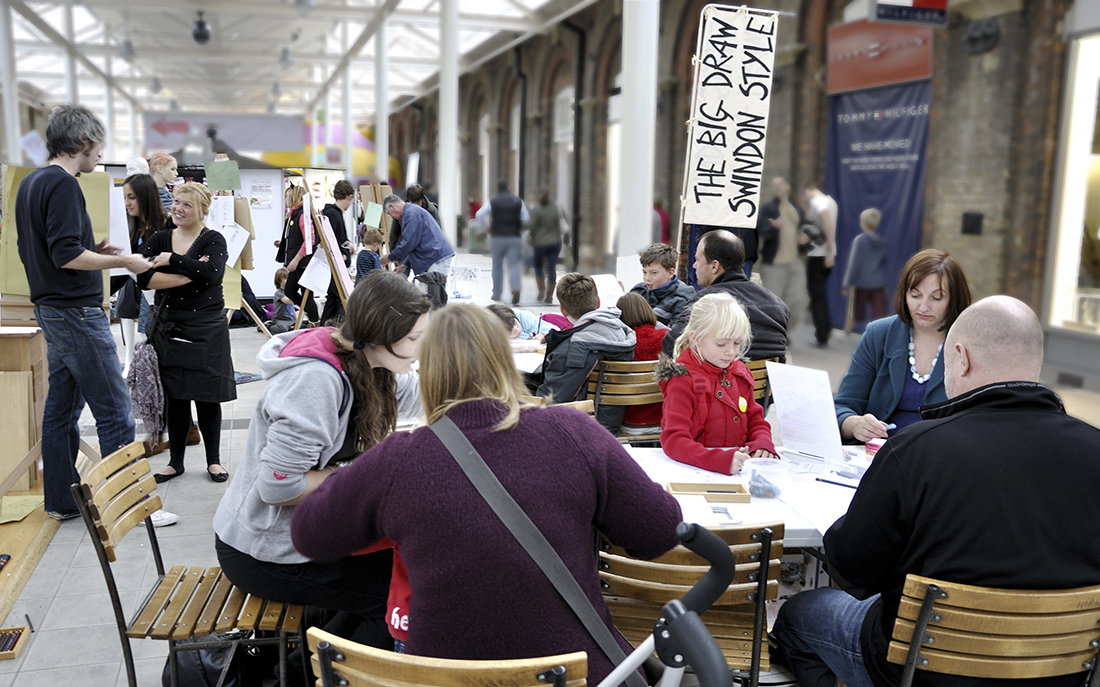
(636, 590)
(625, 383)
(341, 661)
(1001, 634)
(761, 389)
(116, 494)
(586, 406)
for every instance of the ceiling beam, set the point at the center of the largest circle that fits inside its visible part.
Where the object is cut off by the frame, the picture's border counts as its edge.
(60, 40)
(380, 15)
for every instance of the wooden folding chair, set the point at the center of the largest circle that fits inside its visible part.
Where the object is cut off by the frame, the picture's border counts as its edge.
(625, 383)
(636, 591)
(1001, 634)
(117, 494)
(343, 662)
(761, 390)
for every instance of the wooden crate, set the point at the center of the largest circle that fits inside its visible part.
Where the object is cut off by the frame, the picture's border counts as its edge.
(24, 381)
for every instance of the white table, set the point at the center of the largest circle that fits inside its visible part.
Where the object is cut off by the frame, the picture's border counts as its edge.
(528, 362)
(807, 507)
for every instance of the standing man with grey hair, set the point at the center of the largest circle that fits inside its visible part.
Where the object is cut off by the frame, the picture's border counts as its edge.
(995, 487)
(423, 244)
(63, 264)
(506, 214)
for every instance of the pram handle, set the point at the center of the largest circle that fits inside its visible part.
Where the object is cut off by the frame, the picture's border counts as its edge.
(696, 646)
(722, 566)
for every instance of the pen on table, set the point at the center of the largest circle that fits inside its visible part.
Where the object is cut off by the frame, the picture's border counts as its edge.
(839, 484)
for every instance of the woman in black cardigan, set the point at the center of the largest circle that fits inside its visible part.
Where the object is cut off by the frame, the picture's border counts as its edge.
(190, 333)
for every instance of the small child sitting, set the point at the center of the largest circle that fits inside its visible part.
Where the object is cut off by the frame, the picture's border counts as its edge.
(521, 324)
(866, 270)
(283, 318)
(636, 314)
(660, 287)
(708, 391)
(368, 259)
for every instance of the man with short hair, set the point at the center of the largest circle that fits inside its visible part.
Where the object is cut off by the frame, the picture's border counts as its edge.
(571, 354)
(423, 244)
(506, 214)
(960, 496)
(343, 193)
(64, 265)
(822, 209)
(719, 263)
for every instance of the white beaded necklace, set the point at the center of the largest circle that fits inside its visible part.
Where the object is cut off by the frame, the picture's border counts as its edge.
(921, 379)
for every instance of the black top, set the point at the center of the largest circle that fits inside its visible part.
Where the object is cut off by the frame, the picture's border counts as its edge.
(336, 219)
(204, 293)
(294, 236)
(507, 210)
(53, 228)
(964, 497)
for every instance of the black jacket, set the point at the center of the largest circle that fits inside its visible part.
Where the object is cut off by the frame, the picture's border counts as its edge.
(336, 219)
(963, 496)
(768, 316)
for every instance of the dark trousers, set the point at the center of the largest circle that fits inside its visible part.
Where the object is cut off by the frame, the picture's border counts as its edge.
(816, 274)
(876, 298)
(333, 312)
(294, 292)
(178, 417)
(547, 256)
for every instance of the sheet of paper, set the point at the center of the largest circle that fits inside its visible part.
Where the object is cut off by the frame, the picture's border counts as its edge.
(35, 148)
(609, 289)
(820, 503)
(236, 238)
(696, 509)
(373, 216)
(307, 218)
(15, 508)
(528, 362)
(221, 213)
(118, 227)
(804, 408)
(342, 272)
(222, 175)
(317, 275)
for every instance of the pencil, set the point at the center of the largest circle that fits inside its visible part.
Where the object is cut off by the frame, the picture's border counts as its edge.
(839, 484)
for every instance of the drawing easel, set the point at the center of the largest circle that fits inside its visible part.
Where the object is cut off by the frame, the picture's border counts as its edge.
(301, 310)
(337, 268)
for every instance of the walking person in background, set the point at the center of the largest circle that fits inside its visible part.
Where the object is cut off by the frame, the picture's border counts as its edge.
(865, 276)
(782, 266)
(545, 228)
(505, 216)
(64, 265)
(820, 260)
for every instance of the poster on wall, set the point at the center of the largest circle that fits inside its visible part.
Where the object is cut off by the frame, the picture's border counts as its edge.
(731, 93)
(875, 158)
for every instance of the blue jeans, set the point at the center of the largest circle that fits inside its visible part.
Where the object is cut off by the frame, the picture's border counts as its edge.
(512, 247)
(143, 318)
(443, 266)
(819, 632)
(84, 366)
(547, 255)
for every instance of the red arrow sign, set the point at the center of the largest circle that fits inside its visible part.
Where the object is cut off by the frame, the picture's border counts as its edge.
(164, 127)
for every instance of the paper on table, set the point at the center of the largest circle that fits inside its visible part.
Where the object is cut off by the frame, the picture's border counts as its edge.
(373, 216)
(820, 503)
(804, 408)
(236, 238)
(118, 227)
(528, 362)
(695, 508)
(317, 275)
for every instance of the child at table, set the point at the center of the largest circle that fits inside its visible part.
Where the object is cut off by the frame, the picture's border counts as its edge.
(710, 418)
(368, 259)
(636, 313)
(521, 324)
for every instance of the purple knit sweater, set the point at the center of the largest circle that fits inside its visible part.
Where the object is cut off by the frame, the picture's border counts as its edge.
(476, 594)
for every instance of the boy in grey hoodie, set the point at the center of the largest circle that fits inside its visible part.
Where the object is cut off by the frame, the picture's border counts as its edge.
(571, 354)
(865, 271)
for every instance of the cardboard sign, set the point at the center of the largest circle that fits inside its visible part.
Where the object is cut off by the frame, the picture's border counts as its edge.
(729, 122)
(222, 175)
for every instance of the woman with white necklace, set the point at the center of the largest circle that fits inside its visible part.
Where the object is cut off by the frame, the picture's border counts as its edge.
(897, 366)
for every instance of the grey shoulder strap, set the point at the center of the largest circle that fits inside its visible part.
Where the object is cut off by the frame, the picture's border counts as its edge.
(529, 536)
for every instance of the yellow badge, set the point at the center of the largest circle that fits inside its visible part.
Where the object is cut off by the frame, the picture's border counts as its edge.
(742, 404)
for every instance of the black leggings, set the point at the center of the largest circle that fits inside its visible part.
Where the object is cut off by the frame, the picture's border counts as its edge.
(179, 422)
(294, 292)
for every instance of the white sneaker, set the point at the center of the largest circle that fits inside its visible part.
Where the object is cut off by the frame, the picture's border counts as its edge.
(163, 518)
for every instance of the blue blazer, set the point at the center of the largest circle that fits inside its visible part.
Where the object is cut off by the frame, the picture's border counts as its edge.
(877, 373)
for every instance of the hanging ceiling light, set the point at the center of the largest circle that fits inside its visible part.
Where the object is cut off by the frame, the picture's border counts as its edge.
(154, 86)
(285, 58)
(200, 30)
(127, 50)
(304, 7)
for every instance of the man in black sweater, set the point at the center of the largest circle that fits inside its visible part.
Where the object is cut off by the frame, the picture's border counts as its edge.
(996, 487)
(719, 261)
(343, 193)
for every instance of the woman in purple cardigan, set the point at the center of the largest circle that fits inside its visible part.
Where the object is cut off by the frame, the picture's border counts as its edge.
(476, 594)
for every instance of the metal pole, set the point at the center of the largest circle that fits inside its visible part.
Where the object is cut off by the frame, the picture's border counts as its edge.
(641, 35)
(448, 118)
(381, 102)
(313, 138)
(328, 124)
(71, 91)
(9, 87)
(578, 94)
(133, 129)
(349, 158)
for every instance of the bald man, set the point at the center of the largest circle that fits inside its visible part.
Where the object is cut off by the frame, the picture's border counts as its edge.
(995, 487)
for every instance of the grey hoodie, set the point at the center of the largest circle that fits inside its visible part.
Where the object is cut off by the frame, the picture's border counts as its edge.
(866, 262)
(298, 425)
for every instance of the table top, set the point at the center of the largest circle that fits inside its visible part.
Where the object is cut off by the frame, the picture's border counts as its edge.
(806, 507)
(528, 362)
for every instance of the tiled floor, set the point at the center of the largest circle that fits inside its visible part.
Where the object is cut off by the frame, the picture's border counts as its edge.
(66, 598)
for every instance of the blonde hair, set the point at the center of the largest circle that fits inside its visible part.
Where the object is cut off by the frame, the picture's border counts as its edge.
(718, 315)
(465, 356)
(870, 218)
(294, 194)
(199, 193)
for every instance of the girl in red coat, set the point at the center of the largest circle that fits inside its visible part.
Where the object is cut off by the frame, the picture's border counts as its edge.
(637, 314)
(711, 419)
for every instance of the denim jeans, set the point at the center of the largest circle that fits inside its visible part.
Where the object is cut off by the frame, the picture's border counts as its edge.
(548, 256)
(512, 248)
(443, 266)
(819, 632)
(84, 367)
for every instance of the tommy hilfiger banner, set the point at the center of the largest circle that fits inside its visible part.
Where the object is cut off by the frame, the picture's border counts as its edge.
(874, 158)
